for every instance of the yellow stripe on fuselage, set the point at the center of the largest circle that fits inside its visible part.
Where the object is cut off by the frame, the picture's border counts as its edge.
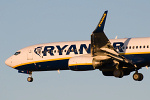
(134, 53)
(80, 64)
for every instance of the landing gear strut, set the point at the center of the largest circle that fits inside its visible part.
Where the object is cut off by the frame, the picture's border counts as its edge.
(137, 76)
(118, 72)
(30, 79)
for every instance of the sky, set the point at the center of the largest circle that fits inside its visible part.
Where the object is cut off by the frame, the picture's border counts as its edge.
(28, 22)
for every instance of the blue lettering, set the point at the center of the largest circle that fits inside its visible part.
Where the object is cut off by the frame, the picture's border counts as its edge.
(48, 49)
(118, 45)
(61, 49)
(72, 48)
(88, 50)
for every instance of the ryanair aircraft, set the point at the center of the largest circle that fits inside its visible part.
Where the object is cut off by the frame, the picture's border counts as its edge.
(115, 57)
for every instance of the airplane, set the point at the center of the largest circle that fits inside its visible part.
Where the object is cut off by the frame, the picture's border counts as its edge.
(114, 57)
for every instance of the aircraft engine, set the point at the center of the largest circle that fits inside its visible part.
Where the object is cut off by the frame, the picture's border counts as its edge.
(81, 63)
(98, 61)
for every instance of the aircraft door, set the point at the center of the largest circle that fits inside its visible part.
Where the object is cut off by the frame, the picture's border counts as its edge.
(30, 55)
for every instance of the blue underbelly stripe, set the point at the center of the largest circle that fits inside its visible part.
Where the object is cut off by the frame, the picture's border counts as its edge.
(45, 66)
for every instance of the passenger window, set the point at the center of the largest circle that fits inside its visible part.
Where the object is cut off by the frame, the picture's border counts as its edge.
(140, 46)
(126, 47)
(133, 47)
(123, 47)
(54, 51)
(147, 46)
(130, 47)
(143, 46)
(136, 47)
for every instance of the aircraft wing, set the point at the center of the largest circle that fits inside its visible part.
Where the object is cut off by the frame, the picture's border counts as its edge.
(104, 57)
(101, 46)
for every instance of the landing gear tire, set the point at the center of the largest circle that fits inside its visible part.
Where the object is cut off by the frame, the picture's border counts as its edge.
(118, 73)
(138, 76)
(30, 79)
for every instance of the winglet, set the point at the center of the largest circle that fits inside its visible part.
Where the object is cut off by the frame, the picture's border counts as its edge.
(100, 26)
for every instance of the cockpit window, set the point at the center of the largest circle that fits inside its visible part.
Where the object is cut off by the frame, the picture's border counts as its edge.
(17, 53)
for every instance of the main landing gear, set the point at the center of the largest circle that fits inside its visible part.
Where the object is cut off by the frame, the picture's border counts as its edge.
(30, 79)
(137, 76)
(118, 72)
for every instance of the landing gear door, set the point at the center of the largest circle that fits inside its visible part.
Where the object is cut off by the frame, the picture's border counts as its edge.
(30, 55)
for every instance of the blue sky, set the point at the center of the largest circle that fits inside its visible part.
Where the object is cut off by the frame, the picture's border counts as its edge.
(28, 22)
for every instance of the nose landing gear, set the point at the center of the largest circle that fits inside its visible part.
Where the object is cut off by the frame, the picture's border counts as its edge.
(30, 79)
(118, 72)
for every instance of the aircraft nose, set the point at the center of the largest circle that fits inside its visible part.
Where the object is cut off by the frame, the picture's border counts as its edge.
(8, 62)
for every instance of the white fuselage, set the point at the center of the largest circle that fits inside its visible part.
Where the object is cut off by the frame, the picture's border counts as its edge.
(65, 50)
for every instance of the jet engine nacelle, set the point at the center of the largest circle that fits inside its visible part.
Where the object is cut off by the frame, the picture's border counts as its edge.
(81, 63)
(98, 61)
